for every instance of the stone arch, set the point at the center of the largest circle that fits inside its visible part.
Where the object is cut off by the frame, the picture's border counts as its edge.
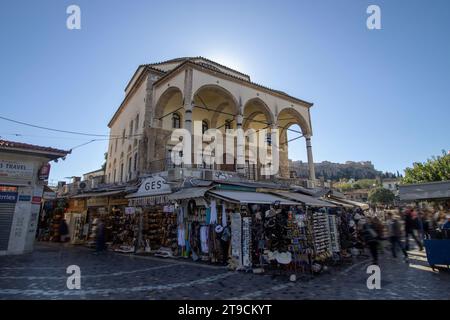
(288, 117)
(160, 106)
(255, 107)
(217, 102)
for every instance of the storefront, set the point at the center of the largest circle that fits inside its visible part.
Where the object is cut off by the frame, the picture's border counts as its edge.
(150, 219)
(85, 211)
(24, 169)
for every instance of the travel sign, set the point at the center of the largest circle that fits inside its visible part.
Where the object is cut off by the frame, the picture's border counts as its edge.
(16, 169)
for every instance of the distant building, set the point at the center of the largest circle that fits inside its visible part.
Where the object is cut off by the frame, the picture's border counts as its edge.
(336, 171)
(391, 184)
(361, 195)
(94, 178)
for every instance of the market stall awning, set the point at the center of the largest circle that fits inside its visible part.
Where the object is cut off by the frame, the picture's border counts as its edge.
(361, 205)
(307, 200)
(189, 193)
(250, 197)
(340, 203)
(425, 191)
(98, 194)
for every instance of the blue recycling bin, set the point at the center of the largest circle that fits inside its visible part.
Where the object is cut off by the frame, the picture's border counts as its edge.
(438, 251)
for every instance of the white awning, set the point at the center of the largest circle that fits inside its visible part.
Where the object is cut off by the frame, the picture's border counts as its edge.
(98, 194)
(189, 193)
(250, 197)
(305, 199)
(361, 205)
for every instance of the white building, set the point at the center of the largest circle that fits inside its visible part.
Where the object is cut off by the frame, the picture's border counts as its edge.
(173, 94)
(23, 171)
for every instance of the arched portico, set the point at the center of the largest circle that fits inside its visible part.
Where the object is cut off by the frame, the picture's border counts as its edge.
(285, 119)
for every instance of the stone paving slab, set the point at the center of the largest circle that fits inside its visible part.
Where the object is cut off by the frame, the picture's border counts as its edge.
(42, 275)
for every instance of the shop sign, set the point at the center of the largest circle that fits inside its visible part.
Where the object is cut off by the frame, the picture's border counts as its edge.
(49, 195)
(153, 186)
(130, 210)
(16, 169)
(44, 172)
(36, 200)
(24, 198)
(8, 197)
(118, 202)
(97, 202)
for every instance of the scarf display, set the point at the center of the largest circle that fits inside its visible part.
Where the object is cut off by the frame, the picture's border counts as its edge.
(213, 216)
(224, 215)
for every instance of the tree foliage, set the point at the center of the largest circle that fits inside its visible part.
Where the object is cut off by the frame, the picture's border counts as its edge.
(381, 196)
(435, 169)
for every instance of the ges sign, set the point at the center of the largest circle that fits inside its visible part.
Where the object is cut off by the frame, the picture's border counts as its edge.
(154, 186)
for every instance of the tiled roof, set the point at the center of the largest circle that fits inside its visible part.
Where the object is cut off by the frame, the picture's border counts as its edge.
(196, 58)
(11, 145)
(234, 77)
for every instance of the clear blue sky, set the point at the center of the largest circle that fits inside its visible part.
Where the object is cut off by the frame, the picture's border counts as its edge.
(380, 95)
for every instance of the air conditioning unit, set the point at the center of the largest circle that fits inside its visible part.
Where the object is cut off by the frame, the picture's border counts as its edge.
(175, 174)
(208, 175)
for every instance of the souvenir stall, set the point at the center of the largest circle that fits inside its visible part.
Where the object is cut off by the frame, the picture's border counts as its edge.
(97, 208)
(262, 230)
(203, 225)
(76, 219)
(154, 219)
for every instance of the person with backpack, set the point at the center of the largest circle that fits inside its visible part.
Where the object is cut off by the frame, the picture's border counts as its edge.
(394, 234)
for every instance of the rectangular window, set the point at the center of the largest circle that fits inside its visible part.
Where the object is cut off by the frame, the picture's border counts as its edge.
(121, 172)
(135, 162)
(137, 122)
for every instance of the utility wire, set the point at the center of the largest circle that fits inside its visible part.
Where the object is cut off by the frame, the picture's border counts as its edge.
(52, 129)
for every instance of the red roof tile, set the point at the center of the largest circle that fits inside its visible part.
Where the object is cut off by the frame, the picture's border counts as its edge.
(5, 144)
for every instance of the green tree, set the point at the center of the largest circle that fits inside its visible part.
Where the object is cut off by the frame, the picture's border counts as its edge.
(104, 163)
(435, 169)
(381, 196)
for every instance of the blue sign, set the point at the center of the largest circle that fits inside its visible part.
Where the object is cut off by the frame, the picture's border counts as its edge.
(8, 197)
(24, 198)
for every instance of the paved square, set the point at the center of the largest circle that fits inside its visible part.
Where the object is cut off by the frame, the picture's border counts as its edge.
(42, 275)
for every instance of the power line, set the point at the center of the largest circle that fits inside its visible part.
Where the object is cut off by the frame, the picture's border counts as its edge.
(52, 129)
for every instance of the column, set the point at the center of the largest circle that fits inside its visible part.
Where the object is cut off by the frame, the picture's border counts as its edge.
(188, 105)
(240, 146)
(312, 174)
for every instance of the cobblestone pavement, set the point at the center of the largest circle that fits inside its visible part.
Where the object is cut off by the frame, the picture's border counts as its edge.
(42, 275)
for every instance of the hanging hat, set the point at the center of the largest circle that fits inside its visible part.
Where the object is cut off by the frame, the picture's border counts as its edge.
(357, 216)
(284, 257)
(271, 213)
(270, 223)
(219, 228)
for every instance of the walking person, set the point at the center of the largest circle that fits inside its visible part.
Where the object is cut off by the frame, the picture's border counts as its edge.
(100, 237)
(370, 237)
(394, 234)
(63, 231)
(410, 226)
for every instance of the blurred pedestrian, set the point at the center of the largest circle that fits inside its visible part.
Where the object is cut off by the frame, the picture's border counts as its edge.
(370, 237)
(410, 226)
(100, 236)
(394, 234)
(63, 231)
